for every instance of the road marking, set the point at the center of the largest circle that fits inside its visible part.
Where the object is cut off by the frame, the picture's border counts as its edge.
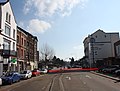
(91, 90)
(61, 83)
(84, 82)
(43, 88)
(69, 78)
(88, 76)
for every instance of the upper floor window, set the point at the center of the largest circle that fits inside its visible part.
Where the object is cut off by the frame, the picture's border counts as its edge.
(6, 44)
(22, 41)
(13, 33)
(7, 30)
(13, 46)
(8, 17)
(17, 39)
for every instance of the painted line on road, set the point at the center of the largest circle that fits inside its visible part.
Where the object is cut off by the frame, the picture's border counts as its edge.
(43, 88)
(61, 83)
(91, 90)
(69, 78)
(87, 76)
(84, 83)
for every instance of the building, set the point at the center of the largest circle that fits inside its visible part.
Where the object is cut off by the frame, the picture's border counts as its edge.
(21, 49)
(36, 53)
(117, 52)
(7, 38)
(26, 50)
(99, 46)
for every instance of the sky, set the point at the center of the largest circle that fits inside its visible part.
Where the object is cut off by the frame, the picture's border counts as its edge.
(64, 24)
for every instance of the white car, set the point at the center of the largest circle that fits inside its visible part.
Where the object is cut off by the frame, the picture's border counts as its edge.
(44, 71)
(26, 74)
(0, 81)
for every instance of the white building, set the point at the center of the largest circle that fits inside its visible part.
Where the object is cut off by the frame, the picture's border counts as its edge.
(7, 38)
(99, 45)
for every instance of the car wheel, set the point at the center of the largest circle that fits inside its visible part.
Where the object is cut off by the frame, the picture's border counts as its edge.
(11, 82)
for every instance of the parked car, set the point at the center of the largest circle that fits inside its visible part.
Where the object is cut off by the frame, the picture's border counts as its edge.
(10, 78)
(43, 71)
(0, 81)
(110, 69)
(117, 72)
(25, 74)
(35, 72)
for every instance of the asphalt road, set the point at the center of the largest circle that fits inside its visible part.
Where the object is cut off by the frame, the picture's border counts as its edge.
(73, 81)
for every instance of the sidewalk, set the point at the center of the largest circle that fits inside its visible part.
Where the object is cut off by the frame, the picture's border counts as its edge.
(106, 76)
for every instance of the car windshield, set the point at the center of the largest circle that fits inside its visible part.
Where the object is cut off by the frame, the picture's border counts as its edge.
(23, 72)
(8, 74)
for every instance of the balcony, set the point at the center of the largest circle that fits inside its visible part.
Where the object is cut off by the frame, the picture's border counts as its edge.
(8, 53)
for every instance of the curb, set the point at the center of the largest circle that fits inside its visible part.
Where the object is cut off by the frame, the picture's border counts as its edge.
(113, 78)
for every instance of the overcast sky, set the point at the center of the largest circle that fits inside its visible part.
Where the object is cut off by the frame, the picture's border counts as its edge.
(63, 24)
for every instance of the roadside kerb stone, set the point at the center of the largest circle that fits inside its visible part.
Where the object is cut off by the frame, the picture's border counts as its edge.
(106, 76)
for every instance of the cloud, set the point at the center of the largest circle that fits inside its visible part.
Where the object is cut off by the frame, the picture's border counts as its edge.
(21, 24)
(38, 26)
(51, 7)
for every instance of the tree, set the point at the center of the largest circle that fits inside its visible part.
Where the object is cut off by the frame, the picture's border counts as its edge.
(47, 53)
(72, 61)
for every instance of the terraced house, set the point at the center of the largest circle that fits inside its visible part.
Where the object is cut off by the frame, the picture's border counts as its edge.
(18, 48)
(8, 38)
(26, 50)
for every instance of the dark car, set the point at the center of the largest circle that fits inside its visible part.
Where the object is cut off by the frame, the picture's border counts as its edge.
(110, 69)
(10, 78)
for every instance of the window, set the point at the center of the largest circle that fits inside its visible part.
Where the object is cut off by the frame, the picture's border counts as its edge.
(18, 54)
(6, 44)
(13, 46)
(21, 52)
(17, 39)
(14, 33)
(22, 41)
(7, 30)
(8, 17)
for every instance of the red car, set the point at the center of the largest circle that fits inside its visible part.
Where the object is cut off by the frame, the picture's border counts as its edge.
(35, 73)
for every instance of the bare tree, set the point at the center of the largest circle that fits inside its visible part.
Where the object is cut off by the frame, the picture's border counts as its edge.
(47, 53)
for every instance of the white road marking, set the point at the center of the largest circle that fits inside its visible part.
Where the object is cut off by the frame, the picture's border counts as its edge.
(84, 82)
(88, 76)
(61, 83)
(43, 88)
(66, 77)
(69, 78)
(91, 90)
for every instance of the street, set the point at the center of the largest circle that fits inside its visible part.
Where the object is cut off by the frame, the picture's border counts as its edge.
(72, 81)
